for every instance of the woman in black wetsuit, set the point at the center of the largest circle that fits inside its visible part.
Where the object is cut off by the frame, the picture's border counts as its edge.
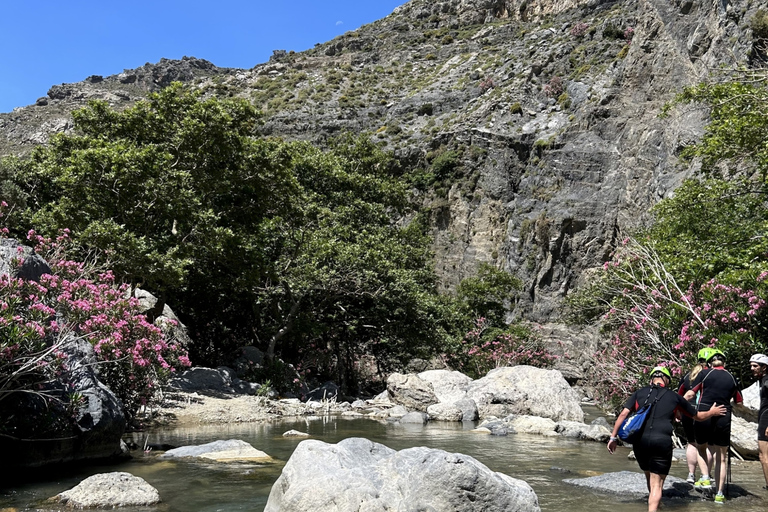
(691, 450)
(654, 450)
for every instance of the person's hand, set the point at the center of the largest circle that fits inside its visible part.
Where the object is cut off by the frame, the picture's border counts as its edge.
(612, 444)
(720, 410)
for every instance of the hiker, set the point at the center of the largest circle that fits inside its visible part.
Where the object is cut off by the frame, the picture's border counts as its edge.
(758, 363)
(691, 450)
(715, 385)
(654, 449)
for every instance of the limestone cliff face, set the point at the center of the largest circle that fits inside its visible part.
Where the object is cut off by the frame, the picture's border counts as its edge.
(551, 108)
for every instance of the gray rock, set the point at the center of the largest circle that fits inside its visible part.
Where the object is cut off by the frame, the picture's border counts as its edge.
(629, 483)
(445, 412)
(419, 418)
(575, 429)
(110, 490)
(468, 408)
(357, 474)
(751, 406)
(410, 391)
(231, 450)
(397, 411)
(526, 390)
(744, 438)
(448, 386)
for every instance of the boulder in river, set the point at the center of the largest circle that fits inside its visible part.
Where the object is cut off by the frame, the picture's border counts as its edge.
(357, 474)
(221, 451)
(526, 390)
(110, 490)
(410, 391)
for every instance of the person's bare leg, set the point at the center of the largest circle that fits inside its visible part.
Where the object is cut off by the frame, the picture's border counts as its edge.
(692, 457)
(703, 459)
(656, 486)
(721, 466)
(762, 447)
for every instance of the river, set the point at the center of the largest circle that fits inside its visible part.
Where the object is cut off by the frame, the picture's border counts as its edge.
(543, 462)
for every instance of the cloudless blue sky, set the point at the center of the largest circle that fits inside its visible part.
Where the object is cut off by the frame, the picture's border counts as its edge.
(46, 42)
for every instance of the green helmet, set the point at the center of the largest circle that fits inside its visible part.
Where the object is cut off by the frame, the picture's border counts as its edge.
(705, 354)
(716, 354)
(661, 369)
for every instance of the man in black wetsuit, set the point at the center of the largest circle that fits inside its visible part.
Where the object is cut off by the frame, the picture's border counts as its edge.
(654, 450)
(716, 385)
(758, 363)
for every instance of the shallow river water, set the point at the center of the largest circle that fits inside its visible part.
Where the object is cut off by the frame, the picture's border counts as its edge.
(543, 462)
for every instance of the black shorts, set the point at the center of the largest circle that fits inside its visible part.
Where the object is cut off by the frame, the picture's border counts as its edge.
(654, 454)
(715, 431)
(761, 426)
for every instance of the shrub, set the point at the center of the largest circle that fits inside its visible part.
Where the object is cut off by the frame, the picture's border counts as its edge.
(579, 29)
(486, 348)
(487, 83)
(555, 87)
(516, 108)
(77, 299)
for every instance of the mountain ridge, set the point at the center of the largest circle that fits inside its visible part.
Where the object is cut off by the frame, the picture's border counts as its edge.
(543, 116)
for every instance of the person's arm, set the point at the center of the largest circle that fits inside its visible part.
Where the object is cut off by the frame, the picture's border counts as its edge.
(613, 441)
(716, 410)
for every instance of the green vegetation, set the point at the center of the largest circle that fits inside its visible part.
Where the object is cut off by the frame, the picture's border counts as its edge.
(697, 277)
(254, 241)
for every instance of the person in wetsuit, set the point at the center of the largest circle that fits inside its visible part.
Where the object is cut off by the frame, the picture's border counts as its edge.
(654, 449)
(715, 385)
(758, 363)
(692, 450)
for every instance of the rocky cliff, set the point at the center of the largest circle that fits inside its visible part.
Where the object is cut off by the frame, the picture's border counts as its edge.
(533, 123)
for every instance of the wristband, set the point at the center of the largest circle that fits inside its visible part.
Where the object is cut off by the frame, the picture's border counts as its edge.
(613, 439)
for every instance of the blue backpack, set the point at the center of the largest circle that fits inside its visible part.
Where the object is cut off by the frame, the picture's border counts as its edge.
(632, 427)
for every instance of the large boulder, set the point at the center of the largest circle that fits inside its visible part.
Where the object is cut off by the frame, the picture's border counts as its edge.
(410, 391)
(445, 412)
(162, 315)
(358, 474)
(220, 380)
(526, 390)
(448, 386)
(110, 490)
(744, 437)
(630, 484)
(751, 406)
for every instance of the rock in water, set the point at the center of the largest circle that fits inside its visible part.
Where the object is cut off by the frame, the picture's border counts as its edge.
(357, 474)
(109, 490)
(222, 451)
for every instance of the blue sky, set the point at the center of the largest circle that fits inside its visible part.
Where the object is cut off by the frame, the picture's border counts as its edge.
(48, 42)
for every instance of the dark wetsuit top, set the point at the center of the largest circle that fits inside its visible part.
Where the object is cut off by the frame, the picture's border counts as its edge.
(762, 418)
(717, 386)
(654, 450)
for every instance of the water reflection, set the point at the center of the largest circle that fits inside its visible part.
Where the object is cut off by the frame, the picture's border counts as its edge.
(191, 486)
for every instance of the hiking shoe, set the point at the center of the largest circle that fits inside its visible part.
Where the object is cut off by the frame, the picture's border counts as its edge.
(703, 484)
(719, 498)
(691, 478)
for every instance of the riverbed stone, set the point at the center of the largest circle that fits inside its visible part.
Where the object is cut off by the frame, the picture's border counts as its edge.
(751, 405)
(583, 431)
(410, 391)
(444, 412)
(631, 483)
(744, 438)
(360, 475)
(221, 451)
(415, 417)
(526, 390)
(468, 408)
(448, 386)
(110, 490)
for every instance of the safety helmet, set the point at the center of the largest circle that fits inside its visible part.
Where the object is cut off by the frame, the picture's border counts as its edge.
(759, 358)
(705, 354)
(716, 354)
(661, 369)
